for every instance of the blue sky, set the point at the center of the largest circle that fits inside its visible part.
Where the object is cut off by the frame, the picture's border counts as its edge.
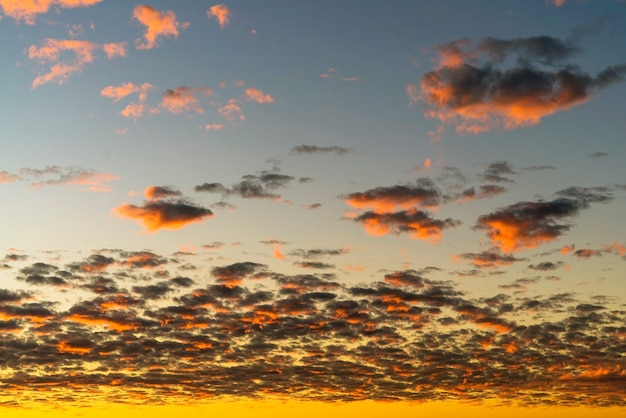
(379, 153)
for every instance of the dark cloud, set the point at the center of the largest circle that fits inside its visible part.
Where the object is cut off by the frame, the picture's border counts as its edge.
(529, 224)
(496, 172)
(159, 214)
(315, 149)
(490, 259)
(251, 186)
(424, 193)
(416, 223)
(507, 83)
(546, 266)
(317, 265)
(161, 192)
(318, 252)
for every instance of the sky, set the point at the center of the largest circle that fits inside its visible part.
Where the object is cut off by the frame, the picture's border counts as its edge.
(261, 208)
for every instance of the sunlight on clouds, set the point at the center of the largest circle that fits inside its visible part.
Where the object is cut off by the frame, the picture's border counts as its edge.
(221, 12)
(158, 25)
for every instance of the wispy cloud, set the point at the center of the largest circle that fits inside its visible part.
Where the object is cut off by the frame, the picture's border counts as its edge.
(50, 52)
(85, 178)
(183, 99)
(317, 149)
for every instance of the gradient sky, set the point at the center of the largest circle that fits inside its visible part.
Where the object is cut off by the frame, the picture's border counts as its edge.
(330, 207)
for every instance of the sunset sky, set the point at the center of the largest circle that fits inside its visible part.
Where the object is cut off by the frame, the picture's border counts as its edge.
(322, 208)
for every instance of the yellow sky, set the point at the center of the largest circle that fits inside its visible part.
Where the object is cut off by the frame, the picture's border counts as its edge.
(275, 409)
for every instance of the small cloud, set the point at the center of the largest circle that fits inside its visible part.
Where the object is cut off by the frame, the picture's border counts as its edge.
(256, 95)
(119, 92)
(183, 99)
(158, 25)
(6, 177)
(115, 49)
(222, 13)
(315, 149)
(160, 192)
(598, 155)
(213, 126)
(232, 111)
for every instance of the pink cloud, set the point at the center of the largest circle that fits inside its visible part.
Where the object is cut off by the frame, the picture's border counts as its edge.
(256, 95)
(158, 24)
(51, 52)
(232, 111)
(221, 12)
(6, 177)
(27, 10)
(183, 99)
(115, 49)
(213, 126)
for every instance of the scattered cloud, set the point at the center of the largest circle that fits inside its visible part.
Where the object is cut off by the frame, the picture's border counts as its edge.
(221, 12)
(158, 25)
(85, 178)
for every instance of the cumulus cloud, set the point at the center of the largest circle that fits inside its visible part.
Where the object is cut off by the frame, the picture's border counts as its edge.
(163, 209)
(158, 25)
(506, 83)
(417, 224)
(27, 10)
(221, 13)
(490, 259)
(51, 51)
(424, 193)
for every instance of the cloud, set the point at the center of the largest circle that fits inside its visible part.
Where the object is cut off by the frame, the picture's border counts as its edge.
(418, 224)
(51, 52)
(232, 111)
(530, 224)
(497, 171)
(27, 10)
(56, 175)
(213, 126)
(6, 177)
(165, 210)
(251, 186)
(221, 12)
(470, 90)
(117, 93)
(115, 49)
(424, 193)
(490, 259)
(316, 149)
(183, 99)
(257, 96)
(158, 25)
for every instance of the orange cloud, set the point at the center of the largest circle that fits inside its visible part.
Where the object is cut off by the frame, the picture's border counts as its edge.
(27, 10)
(478, 96)
(157, 215)
(119, 92)
(221, 12)
(115, 49)
(183, 99)
(256, 95)
(418, 224)
(213, 127)
(51, 52)
(158, 25)
(385, 199)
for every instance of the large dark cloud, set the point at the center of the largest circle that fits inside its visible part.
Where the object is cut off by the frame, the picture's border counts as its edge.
(507, 83)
